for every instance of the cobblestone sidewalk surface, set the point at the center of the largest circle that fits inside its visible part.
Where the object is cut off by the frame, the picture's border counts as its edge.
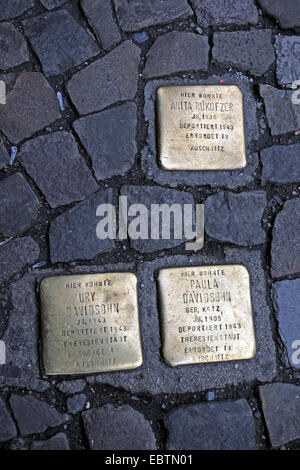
(78, 128)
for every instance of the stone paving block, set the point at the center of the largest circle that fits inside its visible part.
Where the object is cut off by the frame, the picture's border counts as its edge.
(55, 164)
(236, 218)
(281, 164)
(59, 41)
(286, 300)
(13, 47)
(35, 416)
(71, 386)
(73, 235)
(279, 103)
(285, 250)
(76, 403)
(18, 205)
(7, 428)
(16, 255)
(177, 52)
(100, 16)
(118, 428)
(288, 58)
(232, 178)
(50, 4)
(30, 106)
(155, 377)
(4, 158)
(212, 426)
(134, 15)
(281, 408)
(149, 195)
(13, 8)
(57, 442)
(287, 13)
(109, 138)
(225, 12)
(239, 49)
(106, 81)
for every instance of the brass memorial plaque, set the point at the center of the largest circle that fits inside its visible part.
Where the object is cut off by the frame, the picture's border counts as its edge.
(90, 323)
(201, 127)
(206, 314)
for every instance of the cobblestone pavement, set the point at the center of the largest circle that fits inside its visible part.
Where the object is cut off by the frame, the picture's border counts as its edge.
(78, 128)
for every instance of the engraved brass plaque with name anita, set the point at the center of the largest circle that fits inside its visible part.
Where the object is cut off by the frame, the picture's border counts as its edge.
(206, 314)
(90, 323)
(201, 127)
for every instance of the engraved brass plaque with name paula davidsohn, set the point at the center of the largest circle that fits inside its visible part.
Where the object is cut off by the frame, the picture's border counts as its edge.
(206, 314)
(90, 323)
(201, 127)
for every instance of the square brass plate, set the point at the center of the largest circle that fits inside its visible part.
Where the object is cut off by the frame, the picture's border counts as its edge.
(206, 314)
(201, 127)
(90, 323)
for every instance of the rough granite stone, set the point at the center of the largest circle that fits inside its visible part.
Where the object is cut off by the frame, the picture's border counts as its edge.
(57, 442)
(30, 106)
(279, 103)
(286, 300)
(50, 4)
(177, 52)
(285, 250)
(281, 408)
(100, 16)
(76, 403)
(73, 234)
(281, 164)
(13, 47)
(59, 41)
(236, 218)
(232, 178)
(225, 12)
(288, 59)
(7, 426)
(121, 428)
(155, 377)
(55, 164)
(148, 195)
(4, 158)
(239, 49)
(16, 255)
(35, 416)
(286, 12)
(13, 8)
(18, 205)
(106, 81)
(134, 15)
(71, 386)
(109, 139)
(212, 426)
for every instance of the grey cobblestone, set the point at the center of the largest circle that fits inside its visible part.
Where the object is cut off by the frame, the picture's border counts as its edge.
(16, 255)
(288, 59)
(58, 442)
(281, 164)
(14, 8)
(225, 12)
(50, 4)
(13, 48)
(100, 17)
(8, 429)
(287, 13)
(4, 159)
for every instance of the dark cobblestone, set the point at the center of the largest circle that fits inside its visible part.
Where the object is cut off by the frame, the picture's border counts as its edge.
(110, 156)
(7, 429)
(106, 81)
(281, 164)
(4, 158)
(19, 205)
(76, 403)
(286, 242)
(205, 427)
(288, 54)
(287, 13)
(281, 406)
(54, 163)
(59, 41)
(100, 17)
(177, 52)
(71, 386)
(118, 428)
(239, 49)
(50, 4)
(241, 217)
(58, 442)
(225, 12)
(13, 47)
(16, 255)
(13, 8)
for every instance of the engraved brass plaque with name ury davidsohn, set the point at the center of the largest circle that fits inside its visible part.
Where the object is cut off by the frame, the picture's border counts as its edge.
(201, 127)
(90, 323)
(206, 314)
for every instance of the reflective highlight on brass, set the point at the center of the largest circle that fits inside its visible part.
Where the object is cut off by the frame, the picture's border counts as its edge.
(90, 323)
(206, 314)
(201, 127)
